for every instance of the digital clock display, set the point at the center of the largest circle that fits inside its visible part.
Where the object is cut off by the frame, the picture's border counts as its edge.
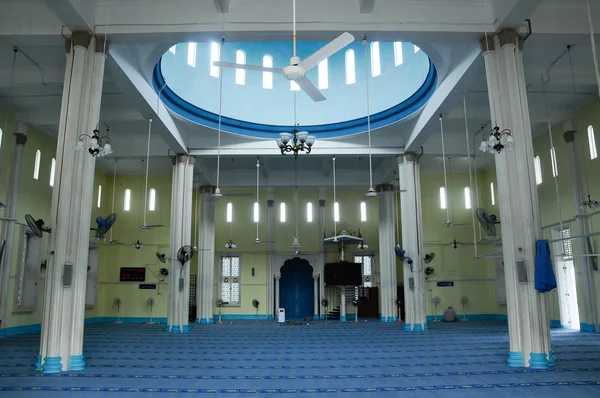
(133, 274)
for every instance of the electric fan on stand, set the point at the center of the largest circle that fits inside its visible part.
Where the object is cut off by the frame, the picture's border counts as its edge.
(355, 304)
(398, 305)
(117, 303)
(325, 304)
(255, 304)
(150, 303)
(464, 300)
(37, 226)
(220, 303)
(436, 301)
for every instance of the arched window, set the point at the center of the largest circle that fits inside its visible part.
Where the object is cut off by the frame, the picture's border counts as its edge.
(493, 193)
(52, 171)
(398, 56)
(1, 138)
(375, 59)
(417, 49)
(192, 54)
(282, 212)
(215, 56)
(127, 200)
(537, 165)
(363, 211)
(268, 76)
(592, 143)
(36, 165)
(554, 162)
(229, 212)
(173, 49)
(99, 200)
(323, 74)
(467, 198)
(350, 67)
(256, 212)
(443, 203)
(240, 74)
(336, 212)
(152, 200)
(309, 212)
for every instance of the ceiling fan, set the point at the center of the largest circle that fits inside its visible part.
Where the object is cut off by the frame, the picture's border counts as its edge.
(297, 69)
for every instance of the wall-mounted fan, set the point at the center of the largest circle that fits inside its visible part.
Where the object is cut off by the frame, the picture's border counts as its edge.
(401, 254)
(103, 225)
(464, 300)
(185, 254)
(37, 226)
(297, 70)
(117, 303)
(220, 303)
(436, 301)
(429, 257)
(325, 304)
(255, 304)
(429, 271)
(488, 222)
(150, 303)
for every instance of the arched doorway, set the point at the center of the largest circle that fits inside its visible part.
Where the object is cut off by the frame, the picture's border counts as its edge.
(296, 288)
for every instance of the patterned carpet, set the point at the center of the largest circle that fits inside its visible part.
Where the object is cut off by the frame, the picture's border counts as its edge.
(351, 360)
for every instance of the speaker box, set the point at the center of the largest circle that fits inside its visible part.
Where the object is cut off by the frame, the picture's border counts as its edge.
(67, 274)
(521, 271)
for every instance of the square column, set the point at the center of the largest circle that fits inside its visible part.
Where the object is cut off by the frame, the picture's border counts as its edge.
(528, 314)
(387, 257)
(272, 310)
(206, 256)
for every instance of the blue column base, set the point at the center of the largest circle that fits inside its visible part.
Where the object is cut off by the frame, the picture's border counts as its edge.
(515, 359)
(52, 365)
(407, 327)
(203, 321)
(210, 321)
(551, 358)
(391, 319)
(175, 329)
(342, 318)
(316, 316)
(186, 328)
(38, 363)
(418, 327)
(270, 317)
(538, 361)
(587, 327)
(382, 319)
(168, 328)
(425, 326)
(76, 362)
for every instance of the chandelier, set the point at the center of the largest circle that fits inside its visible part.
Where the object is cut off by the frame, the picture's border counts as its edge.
(295, 142)
(591, 203)
(230, 245)
(100, 146)
(495, 141)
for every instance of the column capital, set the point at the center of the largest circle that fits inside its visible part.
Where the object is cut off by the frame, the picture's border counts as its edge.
(315, 276)
(277, 276)
(270, 193)
(102, 45)
(411, 157)
(184, 159)
(400, 159)
(21, 138)
(270, 202)
(21, 133)
(384, 187)
(80, 38)
(487, 42)
(206, 189)
(322, 193)
(569, 136)
(322, 202)
(510, 36)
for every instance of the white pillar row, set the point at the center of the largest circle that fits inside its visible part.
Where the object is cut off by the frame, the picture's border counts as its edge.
(588, 308)
(412, 225)
(61, 345)
(8, 234)
(181, 235)
(387, 260)
(342, 303)
(528, 314)
(277, 277)
(316, 295)
(271, 308)
(206, 256)
(322, 226)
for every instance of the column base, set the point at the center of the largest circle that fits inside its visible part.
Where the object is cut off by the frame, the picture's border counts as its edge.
(210, 321)
(203, 321)
(538, 361)
(391, 319)
(168, 328)
(186, 328)
(587, 327)
(382, 319)
(551, 358)
(76, 362)
(175, 329)
(38, 363)
(270, 317)
(52, 365)
(418, 327)
(407, 327)
(342, 318)
(425, 326)
(315, 316)
(515, 359)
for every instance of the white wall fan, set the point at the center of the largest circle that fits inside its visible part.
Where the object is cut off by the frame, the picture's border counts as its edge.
(297, 69)
(488, 222)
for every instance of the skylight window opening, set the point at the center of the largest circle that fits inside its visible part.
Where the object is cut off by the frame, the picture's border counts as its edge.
(592, 143)
(240, 74)
(192, 54)
(467, 198)
(309, 212)
(282, 212)
(229, 215)
(215, 56)
(398, 56)
(363, 211)
(537, 163)
(443, 203)
(375, 59)
(268, 76)
(417, 49)
(323, 70)
(554, 162)
(350, 67)
(173, 49)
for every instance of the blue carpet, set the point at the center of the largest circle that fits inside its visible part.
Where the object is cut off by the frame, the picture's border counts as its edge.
(352, 360)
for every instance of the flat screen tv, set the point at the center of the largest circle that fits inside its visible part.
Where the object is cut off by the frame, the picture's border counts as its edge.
(343, 274)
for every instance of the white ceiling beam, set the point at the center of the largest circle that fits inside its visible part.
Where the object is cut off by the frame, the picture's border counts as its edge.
(223, 6)
(366, 6)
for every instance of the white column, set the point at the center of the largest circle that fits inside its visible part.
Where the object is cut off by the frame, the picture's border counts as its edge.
(277, 277)
(206, 253)
(528, 318)
(322, 226)
(387, 260)
(181, 228)
(342, 303)
(316, 295)
(588, 308)
(271, 310)
(14, 180)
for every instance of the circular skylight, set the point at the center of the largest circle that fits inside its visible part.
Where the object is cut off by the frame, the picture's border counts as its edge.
(401, 80)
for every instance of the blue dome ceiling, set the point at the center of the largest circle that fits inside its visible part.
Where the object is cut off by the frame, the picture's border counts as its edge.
(251, 110)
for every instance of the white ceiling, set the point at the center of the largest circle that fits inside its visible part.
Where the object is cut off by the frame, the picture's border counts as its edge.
(140, 32)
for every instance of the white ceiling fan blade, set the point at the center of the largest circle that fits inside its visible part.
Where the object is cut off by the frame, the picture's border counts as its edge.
(246, 67)
(310, 90)
(327, 51)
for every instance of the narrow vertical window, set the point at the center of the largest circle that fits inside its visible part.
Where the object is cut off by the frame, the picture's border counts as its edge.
(417, 49)
(240, 74)
(493, 193)
(554, 162)
(336, 212)
(282, 212)
(398, 56)
(443, 198)
(229, 212)
(173, 49)
(592, 143)
(324, 74)
(192, 54)
(36, 165)
(52, 171)
(467, 198)
(127, 200)
(363, 211)
(99, 199)
(309, 212)
(215, 56)
(350, 67)
(375, 59)
(1, 133)
(152, 200)
(268, 76)
(294, 86)
(256, 212)
(537, 165)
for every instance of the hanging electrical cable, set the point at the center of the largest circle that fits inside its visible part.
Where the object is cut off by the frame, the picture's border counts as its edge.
(371, 192)
(470, 161)
(446, 196)
(256, 208)
(334, 203)
(112, 206)
(217, 193)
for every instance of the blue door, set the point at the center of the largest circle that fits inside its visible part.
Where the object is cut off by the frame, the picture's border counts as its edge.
(296, 289)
